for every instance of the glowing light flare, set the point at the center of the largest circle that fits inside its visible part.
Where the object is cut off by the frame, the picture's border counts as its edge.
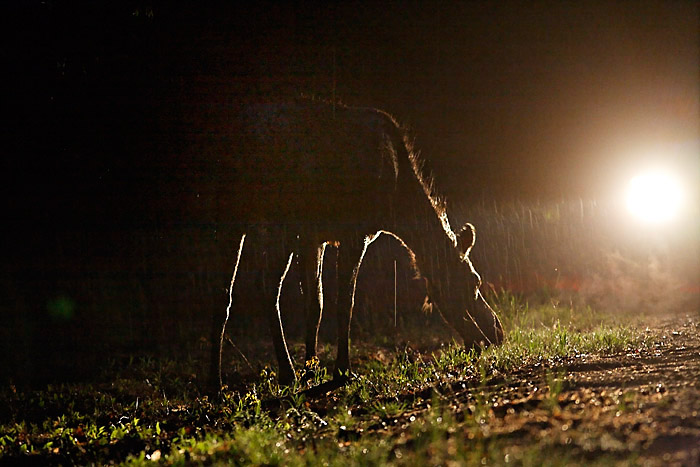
(654, 197)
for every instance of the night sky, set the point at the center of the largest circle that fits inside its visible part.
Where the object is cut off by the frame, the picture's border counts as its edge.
(507, 99)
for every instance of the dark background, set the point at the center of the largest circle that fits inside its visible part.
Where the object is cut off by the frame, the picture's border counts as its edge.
(114, 109)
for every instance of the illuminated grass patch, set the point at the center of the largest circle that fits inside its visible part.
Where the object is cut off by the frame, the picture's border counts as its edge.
(407, 408)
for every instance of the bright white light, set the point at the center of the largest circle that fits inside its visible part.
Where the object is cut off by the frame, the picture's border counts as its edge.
(654, 196)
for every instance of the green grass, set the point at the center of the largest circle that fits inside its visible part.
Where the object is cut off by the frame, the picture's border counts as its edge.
(418, 409)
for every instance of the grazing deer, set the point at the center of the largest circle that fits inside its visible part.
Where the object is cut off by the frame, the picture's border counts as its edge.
(312, 174)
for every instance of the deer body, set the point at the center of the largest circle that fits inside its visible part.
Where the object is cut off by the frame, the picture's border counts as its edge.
(312, 174)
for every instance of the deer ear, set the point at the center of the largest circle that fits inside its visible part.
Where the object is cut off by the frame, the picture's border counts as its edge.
(466, 238)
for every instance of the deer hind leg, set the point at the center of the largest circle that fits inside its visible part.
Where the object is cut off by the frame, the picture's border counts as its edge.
(350, 256)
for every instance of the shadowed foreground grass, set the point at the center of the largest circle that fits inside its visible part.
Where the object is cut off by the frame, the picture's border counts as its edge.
(402, 407)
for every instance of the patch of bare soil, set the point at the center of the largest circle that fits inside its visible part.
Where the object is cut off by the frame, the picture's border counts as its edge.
(643, 407)
(636, 408)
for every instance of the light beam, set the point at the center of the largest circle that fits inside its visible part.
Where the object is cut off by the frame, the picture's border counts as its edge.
(654, 196)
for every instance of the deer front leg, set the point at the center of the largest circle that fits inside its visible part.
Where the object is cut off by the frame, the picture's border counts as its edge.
(349, 260)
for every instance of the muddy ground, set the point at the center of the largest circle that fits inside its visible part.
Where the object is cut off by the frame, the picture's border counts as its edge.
(640, 408)
(646, 404)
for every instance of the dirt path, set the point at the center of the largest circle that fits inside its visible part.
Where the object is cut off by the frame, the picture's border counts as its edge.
(643, 407)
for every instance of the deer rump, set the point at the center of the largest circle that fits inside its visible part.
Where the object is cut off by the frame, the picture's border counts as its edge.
(308, 174)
